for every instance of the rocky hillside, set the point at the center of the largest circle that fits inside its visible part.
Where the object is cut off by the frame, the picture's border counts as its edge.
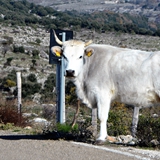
(27, 38)
(148, 8)
(39, 39)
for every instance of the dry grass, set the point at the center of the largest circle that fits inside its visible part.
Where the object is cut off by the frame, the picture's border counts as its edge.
(9, 113)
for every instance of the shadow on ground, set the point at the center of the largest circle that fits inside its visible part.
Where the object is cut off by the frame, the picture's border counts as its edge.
(85, 137)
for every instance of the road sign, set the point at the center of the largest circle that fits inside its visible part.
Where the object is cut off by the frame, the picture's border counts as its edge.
(68, 35)
(63, 35)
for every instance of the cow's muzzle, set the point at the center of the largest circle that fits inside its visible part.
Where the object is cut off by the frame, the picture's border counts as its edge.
(70, 73)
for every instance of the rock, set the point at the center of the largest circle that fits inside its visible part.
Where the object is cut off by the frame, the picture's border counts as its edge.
(36, 98)
(28, 127)
(125, 139)
(44, 55)
(48, 105)
(30, 115)
(49, 111)
(155, 115)
(154, 142)
(41, 121)
(128, 140)
(27, 114)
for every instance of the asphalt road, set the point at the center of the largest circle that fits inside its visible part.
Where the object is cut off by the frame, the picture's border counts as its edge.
(22, 147)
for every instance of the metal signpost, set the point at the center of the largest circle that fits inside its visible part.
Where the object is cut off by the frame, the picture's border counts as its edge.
(63, 35)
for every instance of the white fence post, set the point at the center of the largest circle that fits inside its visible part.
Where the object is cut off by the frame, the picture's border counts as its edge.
(19, 91)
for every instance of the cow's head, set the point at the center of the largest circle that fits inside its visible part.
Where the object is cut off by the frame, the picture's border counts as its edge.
(74, 53)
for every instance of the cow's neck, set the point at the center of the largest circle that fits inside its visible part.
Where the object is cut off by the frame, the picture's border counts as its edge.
(81, 92)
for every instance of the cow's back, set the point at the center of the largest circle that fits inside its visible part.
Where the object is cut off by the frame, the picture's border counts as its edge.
(131, 76)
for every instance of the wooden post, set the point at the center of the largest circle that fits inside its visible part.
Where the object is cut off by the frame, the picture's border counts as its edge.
(94, 121)
(19, 91)
(76, 114)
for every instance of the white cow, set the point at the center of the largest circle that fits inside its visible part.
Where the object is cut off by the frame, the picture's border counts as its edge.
(104, 73)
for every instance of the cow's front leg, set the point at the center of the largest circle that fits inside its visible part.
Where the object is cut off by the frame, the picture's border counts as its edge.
(103, 110)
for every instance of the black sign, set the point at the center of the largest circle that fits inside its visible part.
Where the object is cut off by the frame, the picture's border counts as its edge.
(69, 35)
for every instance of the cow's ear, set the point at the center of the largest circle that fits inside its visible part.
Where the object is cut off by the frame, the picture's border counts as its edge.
(56, 50)
(89, 52)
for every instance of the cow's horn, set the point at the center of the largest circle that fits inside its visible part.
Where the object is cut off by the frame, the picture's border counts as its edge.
(88, 43)
(57, 39)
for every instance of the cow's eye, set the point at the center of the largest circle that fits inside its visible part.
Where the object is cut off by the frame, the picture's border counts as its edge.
(80, 57)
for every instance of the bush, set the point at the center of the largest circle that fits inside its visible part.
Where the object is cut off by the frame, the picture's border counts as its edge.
(29, 89)
(10, 80)
(148, 129)
(10, 83)
(35, 53)
(33, 63)
(47, 91)
(32, 78)
(8, 39)
(63, 128)
(9, 60)
(9, 114)
(71, 97)
(38, 40)
(118, 123)
(17, 49)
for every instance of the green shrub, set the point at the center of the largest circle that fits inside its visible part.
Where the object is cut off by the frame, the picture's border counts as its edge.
(38, 40)
(9, 80)
(9, 60)
(9, 83)
(65, 128)
(32, 78)
(71, 97)
(7, 126)
(35, 53)
(29, 89)
(34, 63)
(118, 123)
(18, 49)
(47, 91)
(148, 129)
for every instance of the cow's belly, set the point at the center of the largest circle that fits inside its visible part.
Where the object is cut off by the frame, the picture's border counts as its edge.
(145, 99)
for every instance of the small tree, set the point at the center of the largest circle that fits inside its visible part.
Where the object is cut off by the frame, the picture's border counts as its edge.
(35, 53)
(5, 48)
(32, 78)
(47, 91)
(38, 40)
(17, 49)
(6, 44)
(33, 62)
(9, 60)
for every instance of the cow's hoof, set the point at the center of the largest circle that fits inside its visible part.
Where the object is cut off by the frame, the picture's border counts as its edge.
(99, 142)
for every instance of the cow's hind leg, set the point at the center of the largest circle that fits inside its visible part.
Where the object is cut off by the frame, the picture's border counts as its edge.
(135, 119)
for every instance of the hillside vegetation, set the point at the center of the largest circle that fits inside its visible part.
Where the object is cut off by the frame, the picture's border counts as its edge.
(25, 13)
